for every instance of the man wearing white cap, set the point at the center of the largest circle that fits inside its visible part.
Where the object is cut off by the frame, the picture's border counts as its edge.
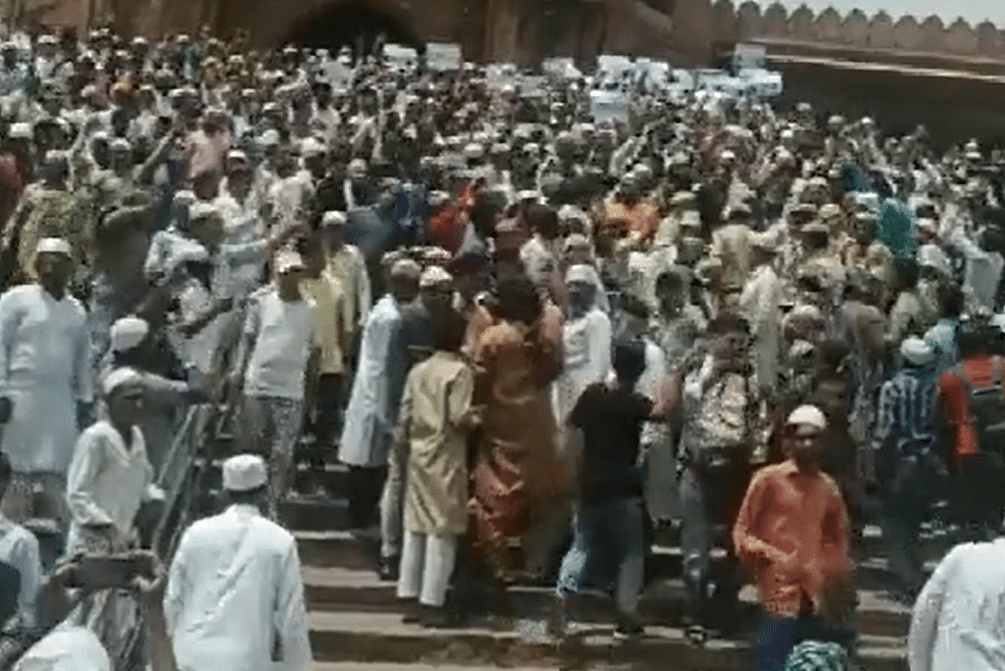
(45, 372)
(792, 532)
(279, 357)
(110, 475)
(347, 265)
(234, 593)
(906, 432)
(372, 413)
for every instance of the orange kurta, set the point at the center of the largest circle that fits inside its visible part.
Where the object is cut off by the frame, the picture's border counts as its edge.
(792, 533)
(518, 468)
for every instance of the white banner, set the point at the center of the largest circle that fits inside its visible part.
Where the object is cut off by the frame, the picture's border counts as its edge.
(443, 57)
(609, 106)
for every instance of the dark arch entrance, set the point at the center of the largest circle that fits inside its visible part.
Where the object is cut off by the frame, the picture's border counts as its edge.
(354, 23)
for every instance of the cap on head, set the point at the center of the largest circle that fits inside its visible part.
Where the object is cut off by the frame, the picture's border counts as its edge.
(288, 261)
(808, 415)
(118, 378)
(333, 218)
(244, 473)
(917, 352)
(406, 269)
(54, 246)
(127, 333)
(434, 276)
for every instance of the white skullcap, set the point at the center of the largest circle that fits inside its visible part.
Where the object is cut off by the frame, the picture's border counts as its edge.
(244, 473)
(269, 138)
(577, 241)
(54, 246)
(333, 218)
(184, 198)
(570, 212)
(727, 155)
(47, 39)
(474, 152)
(830, 211)
(580, 273)
(437, 198)
(236, 155)
(917, 352)
(527, 195)
(120, 377)
(357, 165)
(287, 260)
(201, 210)
(434, 276)
(809, 415)
(312, 147)
(128, 332)
(20, 131)
(406, 268)
(120, 144)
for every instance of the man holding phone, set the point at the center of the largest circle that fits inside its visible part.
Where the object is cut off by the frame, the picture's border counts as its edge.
(235, 598)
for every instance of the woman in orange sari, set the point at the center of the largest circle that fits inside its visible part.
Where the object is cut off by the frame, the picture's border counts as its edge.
(519, 475)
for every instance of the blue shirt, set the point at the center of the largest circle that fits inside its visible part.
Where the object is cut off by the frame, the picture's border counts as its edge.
(907, 411)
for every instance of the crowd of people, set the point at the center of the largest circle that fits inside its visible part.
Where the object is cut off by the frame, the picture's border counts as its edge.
(514, 323)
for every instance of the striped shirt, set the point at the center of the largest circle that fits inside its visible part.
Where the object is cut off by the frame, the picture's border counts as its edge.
(907, 411)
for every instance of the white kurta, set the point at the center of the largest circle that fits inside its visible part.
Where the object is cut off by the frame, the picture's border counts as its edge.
(235, 594)
(66, 649)
(45, 370)
(587, 348)
(19, 548)
(108, 482)
(958, 617)
(759, 304)
(366, 435)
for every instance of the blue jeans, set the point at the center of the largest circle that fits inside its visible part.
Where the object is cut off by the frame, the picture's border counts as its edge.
(776, 636)
(614, 528)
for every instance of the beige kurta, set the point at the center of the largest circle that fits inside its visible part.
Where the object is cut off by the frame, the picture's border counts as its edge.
(435, 413)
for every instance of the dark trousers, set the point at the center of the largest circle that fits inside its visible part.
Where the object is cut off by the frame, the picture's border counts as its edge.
(776, 636)
(365, 487)
(977, 494)
(328, 410)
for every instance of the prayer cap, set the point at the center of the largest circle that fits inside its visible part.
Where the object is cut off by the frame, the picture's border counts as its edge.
(406, 268)
(580, 273)
(20, 131)
(128, 332)
(333, 218)
(683, 198)
(527, 195)
(577, 241)
(917, 352)
(287, 260)
(437, 198)
(120, 144)
(830, 211)
(436, 256)
(119, 377)
(184, 198)
(434, 276)
(54, 246)
(244, 473)
(474, 151)
(808, 415)
(312, 147)
(202, 210)
(269, 138)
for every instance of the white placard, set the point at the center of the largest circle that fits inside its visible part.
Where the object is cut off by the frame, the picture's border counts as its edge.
(609, 106)
(400, 57)
(442, 57)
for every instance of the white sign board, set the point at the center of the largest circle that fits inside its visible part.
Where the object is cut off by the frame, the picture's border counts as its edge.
(443, 57)
(400, 57)
(609, 106)
(614, 66)
(561, 68)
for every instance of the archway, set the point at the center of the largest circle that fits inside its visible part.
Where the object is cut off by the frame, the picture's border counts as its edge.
(354, 23)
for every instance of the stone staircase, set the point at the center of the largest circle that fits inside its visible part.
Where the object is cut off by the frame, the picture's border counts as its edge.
(356, 624)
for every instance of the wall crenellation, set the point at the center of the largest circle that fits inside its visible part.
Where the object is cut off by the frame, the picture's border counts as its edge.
(928, 34)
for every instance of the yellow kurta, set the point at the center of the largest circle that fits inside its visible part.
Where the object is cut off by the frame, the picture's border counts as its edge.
(331, 313)
(435, 413)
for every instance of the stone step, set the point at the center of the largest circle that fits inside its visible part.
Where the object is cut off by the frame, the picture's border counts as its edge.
(375, 638)
(342, 549)
(341, 590)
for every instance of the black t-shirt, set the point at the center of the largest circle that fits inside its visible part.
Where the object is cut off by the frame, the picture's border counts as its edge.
(611, 421)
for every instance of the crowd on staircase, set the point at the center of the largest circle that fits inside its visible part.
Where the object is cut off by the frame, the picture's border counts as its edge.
(516, 323)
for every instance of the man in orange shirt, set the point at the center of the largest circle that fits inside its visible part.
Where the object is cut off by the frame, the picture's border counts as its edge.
(976, 432)
(792, 533)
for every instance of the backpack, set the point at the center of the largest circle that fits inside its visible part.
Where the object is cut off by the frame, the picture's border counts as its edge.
(986, 406)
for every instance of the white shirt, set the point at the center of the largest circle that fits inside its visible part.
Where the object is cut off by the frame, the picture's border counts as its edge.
(284, 334)
(234, 591)
(19, 548)
(66, 649)
(108, 481)
(959, 618)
